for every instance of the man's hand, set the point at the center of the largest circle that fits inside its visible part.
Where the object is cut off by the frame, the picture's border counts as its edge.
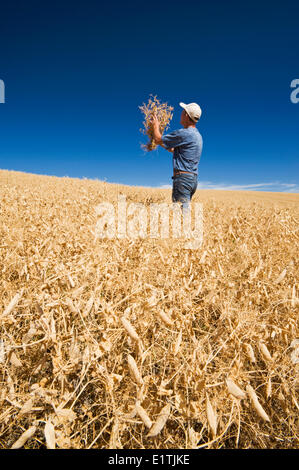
(157, 134)
(155, 122)
(156, 130)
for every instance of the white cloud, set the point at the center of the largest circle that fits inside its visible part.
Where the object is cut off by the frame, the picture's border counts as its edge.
(274, 186)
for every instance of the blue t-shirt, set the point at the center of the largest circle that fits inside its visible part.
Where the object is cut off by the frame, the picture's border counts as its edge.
(187, 144)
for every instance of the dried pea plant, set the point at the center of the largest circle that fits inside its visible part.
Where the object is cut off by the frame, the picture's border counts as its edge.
(163, 113)
(139, 343)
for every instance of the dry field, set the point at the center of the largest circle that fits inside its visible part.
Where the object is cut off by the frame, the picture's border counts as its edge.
(141, 343)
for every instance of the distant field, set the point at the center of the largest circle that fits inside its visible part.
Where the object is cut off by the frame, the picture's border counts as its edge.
(97, 336)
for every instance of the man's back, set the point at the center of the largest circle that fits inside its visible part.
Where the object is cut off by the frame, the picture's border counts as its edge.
(187, 144)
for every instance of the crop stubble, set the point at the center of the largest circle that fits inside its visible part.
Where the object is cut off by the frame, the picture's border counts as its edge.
(212, 332)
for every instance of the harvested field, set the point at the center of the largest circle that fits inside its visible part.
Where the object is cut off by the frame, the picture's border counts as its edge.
(142, 344)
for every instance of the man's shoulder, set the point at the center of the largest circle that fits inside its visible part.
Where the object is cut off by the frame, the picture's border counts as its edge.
(182, 132)
(196, 133)
(192, 133)
(188, 131)
(177, 132)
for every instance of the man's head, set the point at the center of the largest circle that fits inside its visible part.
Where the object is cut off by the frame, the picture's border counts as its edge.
(190, 114)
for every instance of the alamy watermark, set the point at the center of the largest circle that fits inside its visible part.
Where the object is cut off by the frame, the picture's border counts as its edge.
(137, 220)
(295, 93)
(2, 92)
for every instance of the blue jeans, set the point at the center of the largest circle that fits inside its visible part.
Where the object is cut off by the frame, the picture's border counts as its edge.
(184, 186)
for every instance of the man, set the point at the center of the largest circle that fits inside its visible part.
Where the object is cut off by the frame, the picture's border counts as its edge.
(186, 146)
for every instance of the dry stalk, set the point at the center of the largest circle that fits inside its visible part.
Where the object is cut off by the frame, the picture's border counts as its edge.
(74, 311)
(164, 115)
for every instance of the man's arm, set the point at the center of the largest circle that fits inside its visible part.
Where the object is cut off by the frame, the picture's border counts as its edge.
(157, 133)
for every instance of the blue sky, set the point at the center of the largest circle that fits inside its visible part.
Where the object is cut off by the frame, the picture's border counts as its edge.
(75, 74)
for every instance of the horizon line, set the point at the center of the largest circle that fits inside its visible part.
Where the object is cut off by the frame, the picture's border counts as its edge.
(289, 188)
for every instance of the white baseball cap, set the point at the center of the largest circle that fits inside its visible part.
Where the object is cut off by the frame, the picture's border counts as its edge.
(193, 110)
